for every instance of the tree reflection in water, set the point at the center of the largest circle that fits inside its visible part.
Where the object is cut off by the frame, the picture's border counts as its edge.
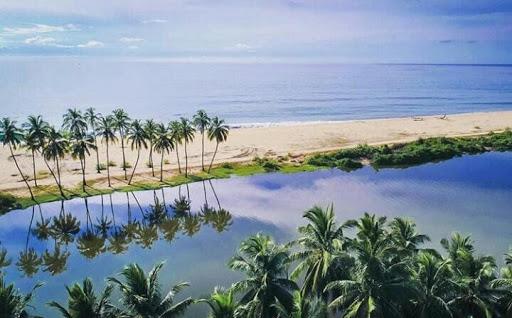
(159, 221)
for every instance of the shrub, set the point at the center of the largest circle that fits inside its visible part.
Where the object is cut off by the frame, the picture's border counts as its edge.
(166, 161)
(101, 167)
(227, 165)
(127, 165)
(8, 202)
(112, 163)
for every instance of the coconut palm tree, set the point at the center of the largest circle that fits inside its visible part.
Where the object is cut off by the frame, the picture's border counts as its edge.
(55, 262)
(36, 129)
(163, 143)
(65, 226)
(84, 303)
(138, 138)
(74, 121)
(504, 285)
(265, 265)
(106, 130)
(150, 127)
(176, 136)
(303, 307)
(121, 124)
(201, 121)
(187, 133)
(92, 118)
(323, 257)
(405, 237)
(142, 296)
(219, 131)
(80, 147)
(55, 148)
(12, 136)
(5, 261)
(13, 304)
(222, 303)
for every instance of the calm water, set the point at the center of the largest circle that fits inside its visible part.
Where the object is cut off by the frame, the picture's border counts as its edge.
(469, 194)
(250, 93)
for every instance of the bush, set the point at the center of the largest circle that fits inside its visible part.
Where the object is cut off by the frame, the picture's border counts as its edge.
(127, 165)
(346, 164)
(166, 161)
(227, 165)
(270, 165)
(8, 202)
(101, 167)
(112, 164)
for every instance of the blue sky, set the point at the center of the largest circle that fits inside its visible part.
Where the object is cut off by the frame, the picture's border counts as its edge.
(409, 31)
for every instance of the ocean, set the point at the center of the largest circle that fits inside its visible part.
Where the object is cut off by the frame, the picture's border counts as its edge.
(249, 94)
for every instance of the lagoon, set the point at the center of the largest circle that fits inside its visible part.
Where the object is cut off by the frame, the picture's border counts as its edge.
(470, 194)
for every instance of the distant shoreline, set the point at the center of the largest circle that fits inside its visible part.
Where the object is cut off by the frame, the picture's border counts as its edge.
(293, 140)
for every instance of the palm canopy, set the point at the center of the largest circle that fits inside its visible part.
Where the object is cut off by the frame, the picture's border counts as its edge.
(74, 121)
(84, 303)
(82, 146)
(56, 144)
(142, 296)
(106, 129)
(137, 135)
(265, 265)
(187, 130)
(175, 131)
(218, 130)
(36, 128)
(10, 134)
(13, 304)
(150, 127)
(121, 120)
(322, 257)
(201, 120)
(222, 303)
(163, 141)
(92, 118)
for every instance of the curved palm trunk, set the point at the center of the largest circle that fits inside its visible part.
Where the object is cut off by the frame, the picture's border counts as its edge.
(213, 158)
(108, 167)
(151, 158)
(214, 193)
(82, 164)
(97, 155)
(178, 158)
(54, 177)
(202, 150)
(124, 158)
(186, 160)
(21, 173)
(135, 167)
(58, 169)
(162, 167)
(34, 167)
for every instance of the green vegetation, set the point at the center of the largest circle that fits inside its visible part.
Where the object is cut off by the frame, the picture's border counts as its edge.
(413, 153)
(369, 267)
(8, 202)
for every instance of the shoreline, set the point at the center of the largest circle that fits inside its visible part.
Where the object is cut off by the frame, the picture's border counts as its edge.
(294, 141)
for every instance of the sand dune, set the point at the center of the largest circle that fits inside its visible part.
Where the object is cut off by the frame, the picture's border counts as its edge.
(245, 143)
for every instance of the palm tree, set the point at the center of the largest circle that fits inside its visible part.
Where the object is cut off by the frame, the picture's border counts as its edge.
(265, 265)
(219, 131)
(201, 121)
(303, 307)
(322, 257)
(138, 139)
(55, 148)
(84, 303)
(163, 143)
(5, 261)
(222, 303)
(432, 276)
(13, 304)
(187, 133)
(150, 127)
(79, 149)
(504, 284)
(106, 130)
(142, 296)
(92, 118)
(176, 136)
(404, 236)
(121, 124)
(74, 121)
(36, 129)
(12, 136)
(55, 262)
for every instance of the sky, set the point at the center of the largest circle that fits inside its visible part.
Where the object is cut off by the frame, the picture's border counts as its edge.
(377, 31)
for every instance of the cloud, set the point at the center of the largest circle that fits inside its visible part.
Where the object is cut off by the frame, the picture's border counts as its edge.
(40, 40)
(133, 47)
(155, 21)
(240, 47)
(130, 40)
(91, 44)
(38, 29)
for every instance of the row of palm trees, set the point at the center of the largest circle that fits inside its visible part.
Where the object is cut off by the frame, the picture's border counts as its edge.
(80, 132)
(380, 270)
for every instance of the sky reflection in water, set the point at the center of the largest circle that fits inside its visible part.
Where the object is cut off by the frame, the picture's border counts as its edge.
(468, 194)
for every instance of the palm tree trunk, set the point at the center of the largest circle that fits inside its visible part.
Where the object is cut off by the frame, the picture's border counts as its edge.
(178, 158)
(124, 159)
(34, 167)
(214, 193)
(54, 177)
(82, 163)
(213, 158)
(162, 167)
(151, 158)
(21, 173)
(186, 160)
(202, 150)
(135, 167)
(58, 168)
(97, 154)
(108, 166)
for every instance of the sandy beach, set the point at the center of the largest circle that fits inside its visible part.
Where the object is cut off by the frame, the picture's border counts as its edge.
(246, 143)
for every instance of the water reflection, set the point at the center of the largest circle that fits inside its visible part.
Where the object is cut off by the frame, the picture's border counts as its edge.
(103, 233)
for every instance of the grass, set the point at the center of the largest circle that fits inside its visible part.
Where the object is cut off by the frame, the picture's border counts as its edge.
(398, 155)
